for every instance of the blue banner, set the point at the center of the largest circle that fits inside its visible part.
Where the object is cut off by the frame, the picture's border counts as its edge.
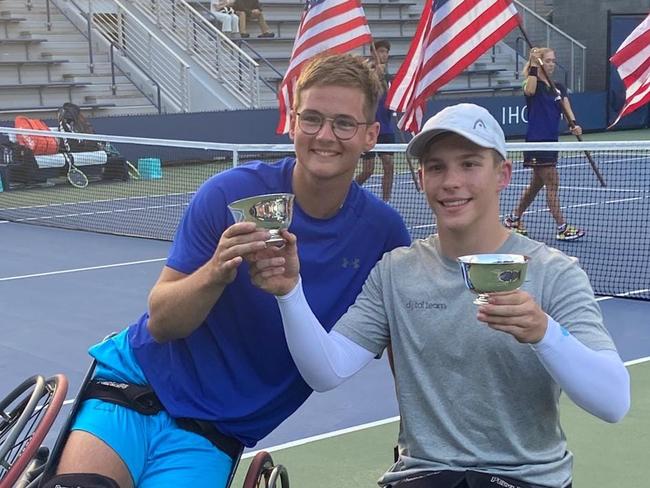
(227, 126)
(588, 107)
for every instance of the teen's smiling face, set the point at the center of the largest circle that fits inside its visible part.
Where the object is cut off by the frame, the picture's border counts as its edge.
(549, 62)
(462, 182)
(323, 155)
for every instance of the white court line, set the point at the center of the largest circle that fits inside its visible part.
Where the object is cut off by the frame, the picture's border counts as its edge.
(156, 207)
(623, 295)
(106, 200)
(596, 189)
(77, 270)
(637, 361)
(100, 212)
(370, 425)
(547, 210)
(327, 435)
(356, 428)
(96, 212)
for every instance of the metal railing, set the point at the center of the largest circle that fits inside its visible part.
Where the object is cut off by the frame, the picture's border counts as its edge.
(208, 46)
(155, 99)
(143, 49)
(146, 50)
(271, 86)
(570, 54)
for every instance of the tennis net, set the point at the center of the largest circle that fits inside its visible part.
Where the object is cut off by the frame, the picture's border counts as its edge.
(614, 252)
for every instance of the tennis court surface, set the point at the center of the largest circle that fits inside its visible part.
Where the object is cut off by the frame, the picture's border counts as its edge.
(62, 290)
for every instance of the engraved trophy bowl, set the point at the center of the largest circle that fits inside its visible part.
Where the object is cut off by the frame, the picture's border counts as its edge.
(489, 273)
(272, 212)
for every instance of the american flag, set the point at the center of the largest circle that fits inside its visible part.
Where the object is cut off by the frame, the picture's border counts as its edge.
(632, 61)
(335, 26)
(451, 35)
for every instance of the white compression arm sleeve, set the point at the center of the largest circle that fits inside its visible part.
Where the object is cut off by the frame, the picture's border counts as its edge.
(597, 381)
(324, 359)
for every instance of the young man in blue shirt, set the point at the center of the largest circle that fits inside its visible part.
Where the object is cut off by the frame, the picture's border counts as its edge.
(544, 111)
(211, 345)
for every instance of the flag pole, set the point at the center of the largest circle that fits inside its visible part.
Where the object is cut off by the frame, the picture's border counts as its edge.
(375, 57)
(409, 162)
(570, 122)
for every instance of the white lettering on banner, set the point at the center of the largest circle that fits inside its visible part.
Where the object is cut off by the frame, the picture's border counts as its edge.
(513, 115)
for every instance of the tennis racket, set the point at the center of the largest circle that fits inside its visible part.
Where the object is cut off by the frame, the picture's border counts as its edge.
(75, 176)
(134, 174)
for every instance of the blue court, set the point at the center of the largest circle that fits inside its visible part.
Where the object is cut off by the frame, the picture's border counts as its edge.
(63, 290)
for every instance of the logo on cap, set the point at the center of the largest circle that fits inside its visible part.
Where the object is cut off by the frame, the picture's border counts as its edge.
(479, 124)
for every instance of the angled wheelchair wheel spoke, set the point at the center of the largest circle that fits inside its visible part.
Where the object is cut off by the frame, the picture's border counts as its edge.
(278, 472)
(28, 413)
(16, 409)
(31, 476)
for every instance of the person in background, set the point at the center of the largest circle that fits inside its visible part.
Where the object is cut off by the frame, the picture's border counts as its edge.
(223, 11)
(251, 10)
(386, 129)
(544, 111)
(209, 359)
(478, 387)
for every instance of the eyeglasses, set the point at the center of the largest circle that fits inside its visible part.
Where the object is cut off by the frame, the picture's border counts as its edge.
(344, 127)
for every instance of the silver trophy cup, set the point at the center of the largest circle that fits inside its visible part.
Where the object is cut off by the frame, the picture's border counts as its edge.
(489, 273)
(272, 212)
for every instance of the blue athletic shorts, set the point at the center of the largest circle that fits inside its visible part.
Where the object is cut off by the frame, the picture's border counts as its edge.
(533, 159)
(157, 452)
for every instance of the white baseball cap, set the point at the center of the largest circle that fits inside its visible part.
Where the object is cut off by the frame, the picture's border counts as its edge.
(471, 121)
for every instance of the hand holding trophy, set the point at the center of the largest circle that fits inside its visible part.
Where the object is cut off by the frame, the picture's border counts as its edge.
(272, 212)
(489, 273)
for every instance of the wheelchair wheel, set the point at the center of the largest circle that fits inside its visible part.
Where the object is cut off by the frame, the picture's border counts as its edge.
(26, 416)
(262, 473)
(278, 472)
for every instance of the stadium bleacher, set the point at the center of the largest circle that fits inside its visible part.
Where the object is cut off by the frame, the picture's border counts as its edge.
(43, 70)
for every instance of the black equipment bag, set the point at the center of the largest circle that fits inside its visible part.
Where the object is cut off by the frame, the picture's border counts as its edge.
(72, 120)
(18, 165)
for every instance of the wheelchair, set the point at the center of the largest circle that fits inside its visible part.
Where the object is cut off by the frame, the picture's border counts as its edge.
(27, 414)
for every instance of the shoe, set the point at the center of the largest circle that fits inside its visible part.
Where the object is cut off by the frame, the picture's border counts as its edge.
(267, 34)
(569, 233)
(514, 223)
(244, 35)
